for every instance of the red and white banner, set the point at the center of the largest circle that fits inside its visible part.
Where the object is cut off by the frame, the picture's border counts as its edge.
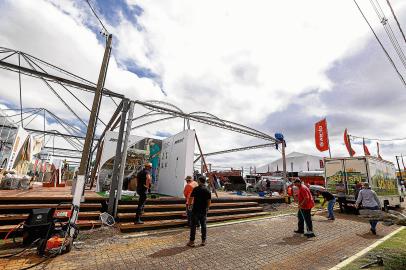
(348, 144)
(366, 150)
(321, 135)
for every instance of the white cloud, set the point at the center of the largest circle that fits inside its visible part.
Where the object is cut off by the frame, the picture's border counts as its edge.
(241, 60)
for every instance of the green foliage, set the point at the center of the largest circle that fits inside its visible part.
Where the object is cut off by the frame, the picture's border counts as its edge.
(393, 252)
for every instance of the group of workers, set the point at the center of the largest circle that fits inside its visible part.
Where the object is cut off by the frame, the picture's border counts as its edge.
(198, 200)
(367, 198)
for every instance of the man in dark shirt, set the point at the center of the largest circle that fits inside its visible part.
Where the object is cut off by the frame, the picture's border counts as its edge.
(143, 184)
(328, 197)
(199, 201)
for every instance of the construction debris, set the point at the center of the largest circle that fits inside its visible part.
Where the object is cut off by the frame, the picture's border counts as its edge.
(389, 218)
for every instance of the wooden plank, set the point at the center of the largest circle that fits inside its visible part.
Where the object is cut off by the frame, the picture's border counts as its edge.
(80, 223)
(178, 213)
(182, 206)
(127, 226)
(34, 206)
(22, 217)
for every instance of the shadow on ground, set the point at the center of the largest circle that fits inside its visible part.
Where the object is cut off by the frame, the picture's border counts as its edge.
(169, 252)
(293, 240)
(369, 235)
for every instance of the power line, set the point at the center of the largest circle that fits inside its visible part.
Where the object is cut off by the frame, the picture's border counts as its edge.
(396, 19)
(95, 14)
(380, 43)
(388, 29)
(376, 139)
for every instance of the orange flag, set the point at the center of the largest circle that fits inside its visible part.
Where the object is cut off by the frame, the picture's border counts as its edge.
(348, 143)
(321, 135)
(366, 150)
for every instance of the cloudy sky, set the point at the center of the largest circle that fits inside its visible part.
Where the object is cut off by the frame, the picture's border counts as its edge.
(277, 66)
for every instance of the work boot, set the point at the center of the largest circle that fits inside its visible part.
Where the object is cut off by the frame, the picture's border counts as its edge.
(191, 244)
(138, 220)
(203, 243)
(310, 234)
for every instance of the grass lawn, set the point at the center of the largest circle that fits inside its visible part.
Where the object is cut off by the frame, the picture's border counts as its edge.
(393, 252)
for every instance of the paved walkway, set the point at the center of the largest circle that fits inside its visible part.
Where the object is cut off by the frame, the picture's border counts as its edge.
(264, 244)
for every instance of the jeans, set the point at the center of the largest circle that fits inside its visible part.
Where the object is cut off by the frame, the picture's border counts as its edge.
(141, 203)
(373, 223)
(153, 175)
(304, 215)
(189, 216)
(198, 218)
(330, 208)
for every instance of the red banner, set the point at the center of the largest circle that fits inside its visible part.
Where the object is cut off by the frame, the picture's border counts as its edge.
(348, 144)
(366, 150)
(321, 135)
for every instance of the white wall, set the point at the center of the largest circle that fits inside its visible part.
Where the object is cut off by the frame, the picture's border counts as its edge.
(301, 162)
(176, 162)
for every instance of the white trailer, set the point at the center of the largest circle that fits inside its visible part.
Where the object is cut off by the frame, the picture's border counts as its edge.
(344, 176)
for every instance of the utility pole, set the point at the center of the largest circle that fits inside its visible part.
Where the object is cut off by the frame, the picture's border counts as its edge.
(117, 160)
(19, 85)
(95, 108)
(78, 192)
(400, 171)
(284, 160)
(124, 157)
(284, 166)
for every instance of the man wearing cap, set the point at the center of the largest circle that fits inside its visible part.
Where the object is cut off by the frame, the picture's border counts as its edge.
(199, 203)
(190, 185)
(305, 205)
(369, 200)
(143, 184)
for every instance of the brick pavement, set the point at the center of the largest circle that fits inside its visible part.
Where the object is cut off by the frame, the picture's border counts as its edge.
(265, 244)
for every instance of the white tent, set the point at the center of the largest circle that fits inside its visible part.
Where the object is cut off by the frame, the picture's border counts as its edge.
(295, 162)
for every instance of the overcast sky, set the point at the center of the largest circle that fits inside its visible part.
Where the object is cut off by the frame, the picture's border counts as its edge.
(277, 66)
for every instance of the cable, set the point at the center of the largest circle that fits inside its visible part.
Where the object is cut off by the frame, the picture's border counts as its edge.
(95, 14)
(13, 229)
(396, 19)
(381, 140)
(380, 43)
(35, 264)
(388, 29)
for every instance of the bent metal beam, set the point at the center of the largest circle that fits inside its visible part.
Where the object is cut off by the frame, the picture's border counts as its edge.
(54, 78)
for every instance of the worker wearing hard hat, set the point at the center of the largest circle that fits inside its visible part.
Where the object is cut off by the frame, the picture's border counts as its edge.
(143, 185)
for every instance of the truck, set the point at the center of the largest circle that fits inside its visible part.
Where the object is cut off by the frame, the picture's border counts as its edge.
(344, 178)
(312, 177)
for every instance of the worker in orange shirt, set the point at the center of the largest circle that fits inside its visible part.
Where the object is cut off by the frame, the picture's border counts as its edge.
(190, 185)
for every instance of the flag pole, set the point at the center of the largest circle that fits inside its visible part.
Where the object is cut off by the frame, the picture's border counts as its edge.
(328, 139)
